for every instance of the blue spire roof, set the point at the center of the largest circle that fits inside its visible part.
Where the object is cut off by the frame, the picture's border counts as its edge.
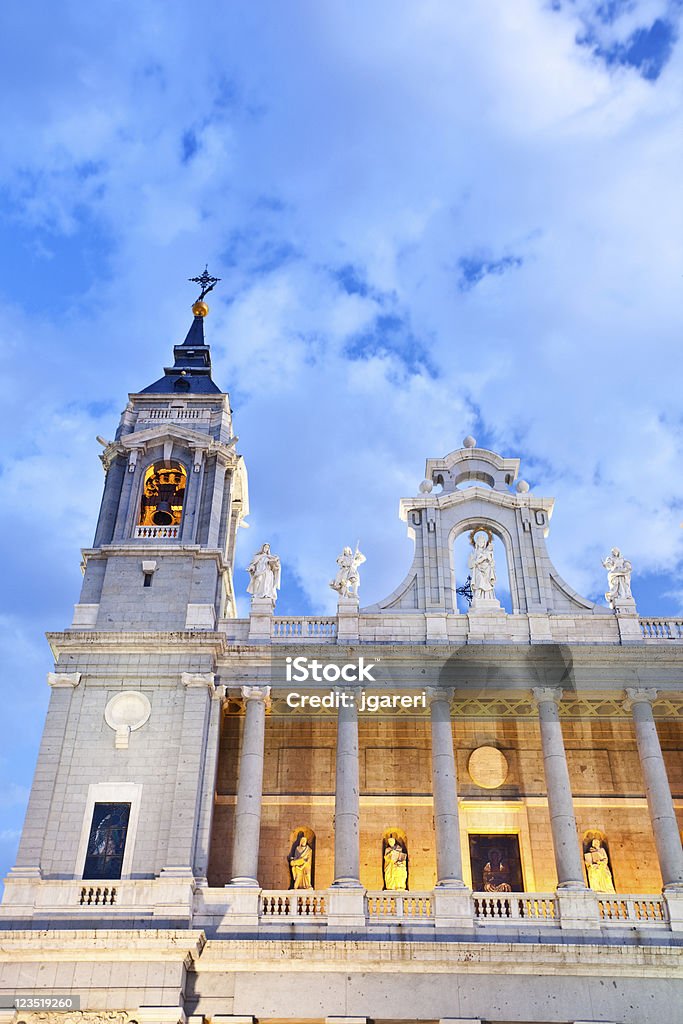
(191, 370)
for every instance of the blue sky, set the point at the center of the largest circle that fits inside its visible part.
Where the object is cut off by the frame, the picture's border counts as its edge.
(430, 219)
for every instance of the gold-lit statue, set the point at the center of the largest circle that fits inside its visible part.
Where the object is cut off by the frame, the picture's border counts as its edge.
(395, 864)
(597, 867)
(301, 863)
(496, 874)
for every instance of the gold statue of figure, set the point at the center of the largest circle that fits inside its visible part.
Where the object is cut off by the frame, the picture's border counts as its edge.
(597, 867)
(395, 864)
(300, 859)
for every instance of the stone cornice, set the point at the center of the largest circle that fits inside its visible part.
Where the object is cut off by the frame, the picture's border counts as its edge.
(471, 494)
(72, 641)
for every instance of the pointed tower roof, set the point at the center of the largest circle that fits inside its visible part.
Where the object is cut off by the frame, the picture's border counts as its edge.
(191, 370)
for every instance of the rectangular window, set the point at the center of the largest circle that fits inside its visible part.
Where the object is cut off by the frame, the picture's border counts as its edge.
(107, 841)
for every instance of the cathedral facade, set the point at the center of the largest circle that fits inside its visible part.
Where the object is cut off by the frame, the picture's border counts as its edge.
(441, 807)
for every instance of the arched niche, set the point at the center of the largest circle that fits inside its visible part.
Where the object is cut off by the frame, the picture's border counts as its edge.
(395, 859)
(164, 486)
(301, 866)
(460, 547)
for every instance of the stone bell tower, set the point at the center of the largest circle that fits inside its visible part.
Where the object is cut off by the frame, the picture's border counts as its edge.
(174, 496)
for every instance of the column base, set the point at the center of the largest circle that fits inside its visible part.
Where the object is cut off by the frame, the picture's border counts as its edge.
(243, 906)
(346, 906)
(242, 882)
(578, 909)
(674, 904)
(452, 906)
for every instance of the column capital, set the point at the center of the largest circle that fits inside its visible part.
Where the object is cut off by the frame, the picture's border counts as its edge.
(257, 693)
(639, 695)
(542, 694)
(435, 693)
(353, 689)
(63, 679)
(192, 679)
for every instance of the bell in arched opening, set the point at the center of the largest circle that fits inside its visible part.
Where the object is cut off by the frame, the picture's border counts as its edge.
(163, 494)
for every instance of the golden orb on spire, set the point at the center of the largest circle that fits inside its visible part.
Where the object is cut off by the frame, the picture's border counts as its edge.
(200, 308)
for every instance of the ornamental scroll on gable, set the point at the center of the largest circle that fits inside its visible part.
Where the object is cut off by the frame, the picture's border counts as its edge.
(480, 493)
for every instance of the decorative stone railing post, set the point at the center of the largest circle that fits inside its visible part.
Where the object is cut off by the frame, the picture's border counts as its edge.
(578, 907)
(249, 789)
(346, 895)
(452, 899)
(659, 801)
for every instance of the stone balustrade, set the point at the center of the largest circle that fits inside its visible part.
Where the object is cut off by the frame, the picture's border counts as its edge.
(413, 627)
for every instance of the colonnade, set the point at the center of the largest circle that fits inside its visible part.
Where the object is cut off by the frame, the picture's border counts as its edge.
(566, 846)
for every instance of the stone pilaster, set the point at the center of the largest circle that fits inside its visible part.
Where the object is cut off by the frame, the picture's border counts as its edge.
(250, 788)
(657, 789)
(28, 859)
(208, 787)
(199, 689)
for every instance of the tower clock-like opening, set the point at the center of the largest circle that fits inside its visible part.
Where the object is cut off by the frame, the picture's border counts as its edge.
(163, 494)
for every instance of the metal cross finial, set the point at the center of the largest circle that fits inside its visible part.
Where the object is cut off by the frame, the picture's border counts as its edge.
(206, 281)
(466, 590)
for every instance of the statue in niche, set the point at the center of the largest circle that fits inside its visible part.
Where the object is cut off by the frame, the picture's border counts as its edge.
(395, 864)
(264, 570)
(347, 580)
(597, 867)
(300, 859)
(482, 566)
(496, 874)
(618, 577)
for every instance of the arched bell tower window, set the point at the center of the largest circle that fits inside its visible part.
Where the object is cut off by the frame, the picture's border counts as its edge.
(163, 494)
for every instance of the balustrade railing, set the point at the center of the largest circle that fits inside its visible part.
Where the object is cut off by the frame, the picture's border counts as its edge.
(278, 905)
(97, 896)
(157, 532)
(303, 628)
(662, 629)
(514, 906)
(392, 906)
(634, 909)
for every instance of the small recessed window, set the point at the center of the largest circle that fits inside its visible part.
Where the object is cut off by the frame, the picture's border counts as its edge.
(147, 579)
(107, 841)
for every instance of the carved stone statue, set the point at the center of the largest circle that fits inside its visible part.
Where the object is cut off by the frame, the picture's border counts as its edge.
(482, 567)
(618, 577)
(597, 866)
(347, 580)
(300, 860)
(264, 570)
(395, 865)
(496, 874)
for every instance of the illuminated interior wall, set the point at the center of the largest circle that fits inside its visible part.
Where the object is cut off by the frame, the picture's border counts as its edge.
(395, 787)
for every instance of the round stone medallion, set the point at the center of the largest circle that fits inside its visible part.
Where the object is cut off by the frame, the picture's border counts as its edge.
(128, 710)
(488, 767)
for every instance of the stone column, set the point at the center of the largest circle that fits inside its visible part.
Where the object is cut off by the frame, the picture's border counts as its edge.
(347, 793)
(444, 784)
(250, 788)
(568, 858)
(657, 789)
